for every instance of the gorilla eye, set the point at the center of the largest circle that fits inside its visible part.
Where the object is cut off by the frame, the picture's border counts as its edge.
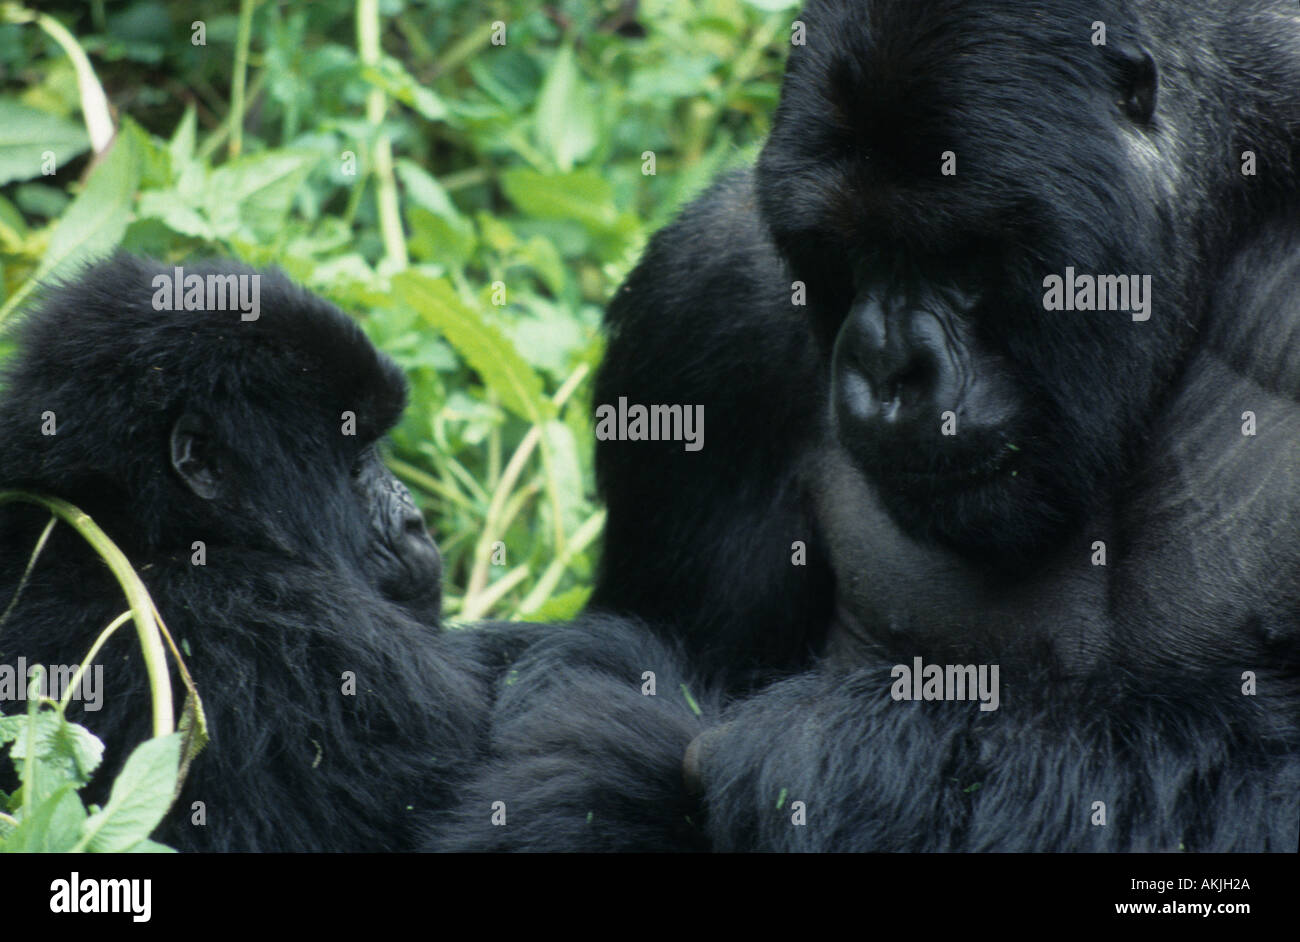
(359, 464)
(1138, 83)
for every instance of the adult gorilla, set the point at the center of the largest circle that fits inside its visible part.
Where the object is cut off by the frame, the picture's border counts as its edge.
(172, 428)
(1104, 505)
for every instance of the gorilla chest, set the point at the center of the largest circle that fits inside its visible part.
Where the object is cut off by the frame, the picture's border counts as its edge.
(910, 594)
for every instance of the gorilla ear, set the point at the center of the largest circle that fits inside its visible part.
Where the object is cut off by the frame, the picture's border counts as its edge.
(1138, 83)
(194, 458)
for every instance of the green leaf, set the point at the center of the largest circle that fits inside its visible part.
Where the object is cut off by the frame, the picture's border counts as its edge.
(484, 348)
(94, 223)
(562, 606)
(140, 797)
(12, 225)
(541, 255)
(65, 753)
(251, 196)
(435, 239)
(181, 146)
(563, 473)
(54, 826)
(566, 114)
(168, 207)
(582, 195)
(149, 847)
(423, 189)
(28, 134)
(393, 78)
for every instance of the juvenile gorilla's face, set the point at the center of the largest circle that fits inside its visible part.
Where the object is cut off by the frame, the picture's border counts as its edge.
(925, 173)
(402, 560)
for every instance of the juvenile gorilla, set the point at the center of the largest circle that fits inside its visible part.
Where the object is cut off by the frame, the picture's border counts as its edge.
(178, 428)
(926, 461)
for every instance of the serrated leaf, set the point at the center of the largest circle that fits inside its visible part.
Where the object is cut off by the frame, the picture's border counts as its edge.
(141, 796)
(94, 223)
(65, 753)
(54, 827)
(255, 192)
(483, 347)
(193, 728)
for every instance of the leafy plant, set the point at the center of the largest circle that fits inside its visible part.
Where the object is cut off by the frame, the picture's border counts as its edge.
(54, 758)
(473, 196)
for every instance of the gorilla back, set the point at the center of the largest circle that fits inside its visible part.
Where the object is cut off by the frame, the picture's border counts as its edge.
(1102, 499)
(234, 462)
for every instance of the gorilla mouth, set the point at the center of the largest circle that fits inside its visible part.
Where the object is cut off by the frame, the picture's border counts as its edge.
(410, 573)
(951, 475)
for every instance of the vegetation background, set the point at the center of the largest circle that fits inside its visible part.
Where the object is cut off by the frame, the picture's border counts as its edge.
(474, 204)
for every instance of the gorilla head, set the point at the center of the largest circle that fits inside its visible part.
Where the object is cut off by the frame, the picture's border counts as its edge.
(252, 433)
(930, 164)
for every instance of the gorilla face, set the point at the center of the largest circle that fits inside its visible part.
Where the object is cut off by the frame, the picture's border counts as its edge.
(923, 183)
(386, 539)
(402, 559)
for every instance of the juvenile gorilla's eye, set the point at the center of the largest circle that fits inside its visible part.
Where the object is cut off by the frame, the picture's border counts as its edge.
(359, 463)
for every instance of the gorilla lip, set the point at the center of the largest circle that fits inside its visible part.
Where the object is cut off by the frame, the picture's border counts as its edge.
(968, 473)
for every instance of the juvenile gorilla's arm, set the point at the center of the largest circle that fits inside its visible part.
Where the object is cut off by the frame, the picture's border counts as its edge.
(582, 756)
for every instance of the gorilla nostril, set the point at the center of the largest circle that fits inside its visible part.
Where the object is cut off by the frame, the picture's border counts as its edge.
(415, 525)
(914, 384)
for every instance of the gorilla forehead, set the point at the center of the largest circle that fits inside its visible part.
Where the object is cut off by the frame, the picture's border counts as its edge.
(1029, 106)
(98, 339)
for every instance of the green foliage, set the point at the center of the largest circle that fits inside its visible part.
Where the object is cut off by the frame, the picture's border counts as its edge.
(475, 224)
(54, 760)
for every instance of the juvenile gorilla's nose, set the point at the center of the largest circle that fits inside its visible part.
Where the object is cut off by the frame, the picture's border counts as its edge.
(892, 366)
(413, 523)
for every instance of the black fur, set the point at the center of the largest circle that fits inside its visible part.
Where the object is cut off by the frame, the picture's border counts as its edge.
(1121, 683)
(1183, 767)
(583, 756)
(299, 533)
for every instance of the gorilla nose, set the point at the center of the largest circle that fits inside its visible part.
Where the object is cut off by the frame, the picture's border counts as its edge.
(892, 367)
(413, 523)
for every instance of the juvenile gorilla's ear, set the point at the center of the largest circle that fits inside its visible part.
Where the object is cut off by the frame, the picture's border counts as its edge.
(194, 456)
(1138, 82)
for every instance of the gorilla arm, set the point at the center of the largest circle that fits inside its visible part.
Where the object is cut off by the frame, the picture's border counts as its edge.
(879, 775)
(588, 729)
(700, 543)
